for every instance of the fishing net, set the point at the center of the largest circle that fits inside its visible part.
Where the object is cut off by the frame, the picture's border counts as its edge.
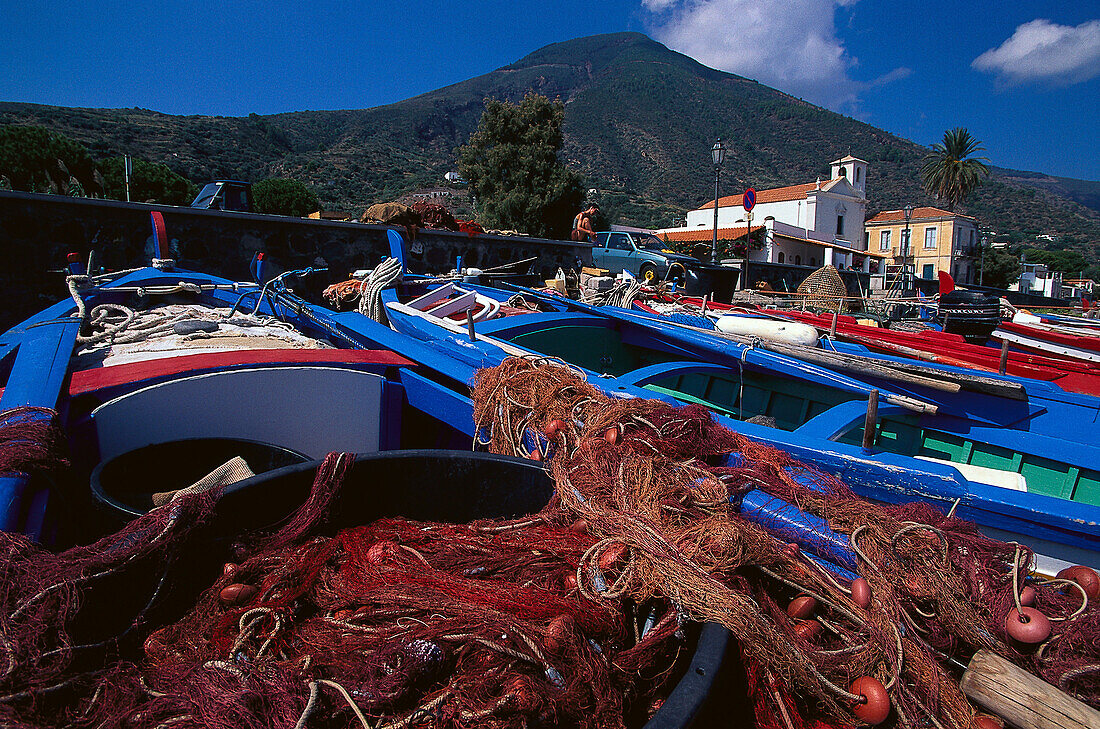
(573, 616)
(654, 482)
(395, 623)
(31, 441)
(434, 215)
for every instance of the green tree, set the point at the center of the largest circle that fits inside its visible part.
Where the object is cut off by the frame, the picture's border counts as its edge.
(513, 168)
(280, 196)
(34, 159)
(1066, 261)
(149, 182)
(1000, 269)
(950, 172)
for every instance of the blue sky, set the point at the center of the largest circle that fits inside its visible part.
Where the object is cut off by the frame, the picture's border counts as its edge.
(1022, 77)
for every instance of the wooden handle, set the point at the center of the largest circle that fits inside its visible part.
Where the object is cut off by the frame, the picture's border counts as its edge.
(1021, 699)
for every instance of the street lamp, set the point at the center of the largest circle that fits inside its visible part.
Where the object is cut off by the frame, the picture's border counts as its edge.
(981, 269)
(908, 249)
(717, 155)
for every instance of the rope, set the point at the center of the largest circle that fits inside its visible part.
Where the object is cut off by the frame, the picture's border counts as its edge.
(384, 276)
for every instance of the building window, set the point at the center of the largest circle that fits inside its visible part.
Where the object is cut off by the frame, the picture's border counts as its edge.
(781, 256)
(857, 174)
(929, 270)
(884, 241)
(930, 238)
(972, 237)
(840, 225)
(866, 240)
(813, 261)
(798, 260)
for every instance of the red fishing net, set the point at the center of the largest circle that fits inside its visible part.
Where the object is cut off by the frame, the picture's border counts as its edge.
(646, 477)
(573, 616)
(396, 623)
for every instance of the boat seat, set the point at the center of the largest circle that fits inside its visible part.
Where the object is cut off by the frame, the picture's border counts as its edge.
(310, 410)
(982, 474)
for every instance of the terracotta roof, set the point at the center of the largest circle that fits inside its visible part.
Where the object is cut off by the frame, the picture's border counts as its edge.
(922, 213)
(827, 244)
(775, 194)
(705, 234)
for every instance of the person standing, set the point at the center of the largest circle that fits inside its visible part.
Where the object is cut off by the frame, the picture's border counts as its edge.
(583, 224)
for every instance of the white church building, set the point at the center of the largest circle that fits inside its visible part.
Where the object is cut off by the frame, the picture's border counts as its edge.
(811, 224)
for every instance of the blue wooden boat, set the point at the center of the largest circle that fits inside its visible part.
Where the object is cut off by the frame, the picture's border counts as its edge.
(279, 382)
(819, 414)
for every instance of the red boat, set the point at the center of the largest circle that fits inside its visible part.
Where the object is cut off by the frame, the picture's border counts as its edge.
(1050, 340)
(1072, 375)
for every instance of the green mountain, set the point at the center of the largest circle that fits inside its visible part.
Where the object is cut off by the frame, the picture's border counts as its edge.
(640, 121)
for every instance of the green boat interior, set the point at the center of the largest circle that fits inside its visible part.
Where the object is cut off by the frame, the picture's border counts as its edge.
(792, 402)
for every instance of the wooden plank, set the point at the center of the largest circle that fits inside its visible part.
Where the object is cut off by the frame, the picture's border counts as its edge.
(1021, 699)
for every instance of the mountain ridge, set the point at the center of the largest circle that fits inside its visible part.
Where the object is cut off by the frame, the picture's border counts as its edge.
(639, 123)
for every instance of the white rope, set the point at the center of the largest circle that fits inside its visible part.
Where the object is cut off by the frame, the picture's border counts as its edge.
(384, 276)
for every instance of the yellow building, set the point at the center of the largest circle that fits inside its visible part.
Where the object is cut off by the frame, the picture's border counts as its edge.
(941, 241)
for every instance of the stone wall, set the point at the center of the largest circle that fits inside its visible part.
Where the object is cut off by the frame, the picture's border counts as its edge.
(38, 231)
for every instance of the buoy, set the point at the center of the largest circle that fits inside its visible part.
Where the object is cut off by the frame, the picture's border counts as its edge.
(611, 435)
(1029, 626)
(1086, 577)
(875, 706)
(985, 721)
(558, 632)
(1027, 596)
(861, 592)
(535, 455)
(612, 556)
(802, 607)
(553, 428)
(519, 690)
(379, 552)
(237, 594)
(792, 550)
(580, 526)
(570, 580)
(784, 332)
(807, 629)
(229, 569)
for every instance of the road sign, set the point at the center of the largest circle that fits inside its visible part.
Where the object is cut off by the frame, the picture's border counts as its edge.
(748, 200)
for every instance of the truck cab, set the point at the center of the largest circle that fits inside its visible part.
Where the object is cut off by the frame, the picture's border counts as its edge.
(225, 195)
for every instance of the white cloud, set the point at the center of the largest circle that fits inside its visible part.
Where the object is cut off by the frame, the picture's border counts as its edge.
(1044, 51)
(788, 44)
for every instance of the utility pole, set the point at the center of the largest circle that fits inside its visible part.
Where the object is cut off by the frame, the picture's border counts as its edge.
(128, 169)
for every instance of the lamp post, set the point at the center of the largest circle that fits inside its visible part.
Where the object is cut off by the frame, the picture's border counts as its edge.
(717, 155)
(908, 243)
(981, 268)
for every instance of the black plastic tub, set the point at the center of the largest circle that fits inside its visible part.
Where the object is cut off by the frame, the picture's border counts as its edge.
(125, 484)
(427, 485)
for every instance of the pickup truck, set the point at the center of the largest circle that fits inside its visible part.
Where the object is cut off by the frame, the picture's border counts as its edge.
(648, 258)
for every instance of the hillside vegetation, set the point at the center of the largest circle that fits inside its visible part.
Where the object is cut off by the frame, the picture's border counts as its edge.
(639, 123)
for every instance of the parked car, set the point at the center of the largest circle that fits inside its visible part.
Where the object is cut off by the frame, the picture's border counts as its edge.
(648, 257)
(225, 195)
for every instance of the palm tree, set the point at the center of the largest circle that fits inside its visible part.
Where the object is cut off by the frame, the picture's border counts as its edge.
(948, 173)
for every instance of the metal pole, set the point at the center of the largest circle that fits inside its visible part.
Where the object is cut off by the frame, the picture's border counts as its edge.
(127, 168)
(981, 269)
(714, 243)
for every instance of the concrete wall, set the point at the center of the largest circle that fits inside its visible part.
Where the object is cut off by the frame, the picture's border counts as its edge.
(37, 231)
